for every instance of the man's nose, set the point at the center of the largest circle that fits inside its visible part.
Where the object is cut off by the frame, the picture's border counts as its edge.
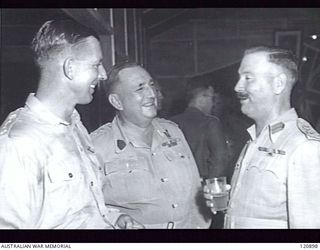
(102, 74)
(151, 91)
(239, 86)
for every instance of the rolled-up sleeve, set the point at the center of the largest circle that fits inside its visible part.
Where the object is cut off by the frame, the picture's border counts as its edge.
(304, 186)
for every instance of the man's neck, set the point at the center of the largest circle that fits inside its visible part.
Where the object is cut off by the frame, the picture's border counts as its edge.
(55, 102)
(197, 108)
(262, 122)
(140, 134)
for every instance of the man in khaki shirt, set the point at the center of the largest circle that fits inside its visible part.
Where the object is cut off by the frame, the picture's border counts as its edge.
(49, 173)
(149, 171)
(276, 179)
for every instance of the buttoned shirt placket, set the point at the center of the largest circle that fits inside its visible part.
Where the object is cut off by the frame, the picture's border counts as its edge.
(94, 184)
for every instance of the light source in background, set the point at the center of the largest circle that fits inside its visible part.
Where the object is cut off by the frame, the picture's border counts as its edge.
(304, 58)
(314, 37)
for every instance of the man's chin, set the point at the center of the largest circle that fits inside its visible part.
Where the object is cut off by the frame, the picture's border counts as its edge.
(150, 114)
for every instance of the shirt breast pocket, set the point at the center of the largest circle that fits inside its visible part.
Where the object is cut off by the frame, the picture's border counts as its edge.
(62, 170)
(176, 153)
(128, 180)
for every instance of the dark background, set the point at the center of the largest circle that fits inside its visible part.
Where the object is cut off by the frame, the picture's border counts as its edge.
(173, 44)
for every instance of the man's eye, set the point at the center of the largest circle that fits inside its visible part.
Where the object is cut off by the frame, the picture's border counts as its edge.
(248, 78)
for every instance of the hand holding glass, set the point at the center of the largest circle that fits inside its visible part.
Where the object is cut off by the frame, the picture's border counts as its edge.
(217, 192)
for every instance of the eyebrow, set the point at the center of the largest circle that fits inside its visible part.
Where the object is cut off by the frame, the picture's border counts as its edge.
(143, 83)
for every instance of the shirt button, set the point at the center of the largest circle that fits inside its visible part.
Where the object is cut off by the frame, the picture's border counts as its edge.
(164, 179)
(174, 205)
(153, 154)
(91, 183)
(70, 175)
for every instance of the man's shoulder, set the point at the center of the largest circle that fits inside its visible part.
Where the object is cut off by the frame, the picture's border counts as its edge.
(17, 124)
(102, 132)
(307, 130)
(166, 123)
(212, 118)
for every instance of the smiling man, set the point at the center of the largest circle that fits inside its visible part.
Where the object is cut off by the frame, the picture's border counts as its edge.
(149, 170)
(48, 168)
(276, 179)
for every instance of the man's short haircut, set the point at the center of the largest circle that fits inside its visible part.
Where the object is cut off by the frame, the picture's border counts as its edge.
(113, 75)
(56, 35)
(196, 86)
(281, 57)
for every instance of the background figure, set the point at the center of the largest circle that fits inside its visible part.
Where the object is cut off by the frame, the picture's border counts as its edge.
(149, 170)
(160, 100)
(203, 131)
(204, 134)
(275, 183)
(234, 126)
(48, 167)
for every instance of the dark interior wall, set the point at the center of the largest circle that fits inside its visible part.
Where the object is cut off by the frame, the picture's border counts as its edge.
(212, 42)
(19, 75)
(208, 42)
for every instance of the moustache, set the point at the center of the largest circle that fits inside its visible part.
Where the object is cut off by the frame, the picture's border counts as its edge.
(242, 95)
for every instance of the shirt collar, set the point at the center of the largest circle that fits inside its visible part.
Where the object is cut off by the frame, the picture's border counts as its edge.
(275, 126)
(34, 104)
(121, 141)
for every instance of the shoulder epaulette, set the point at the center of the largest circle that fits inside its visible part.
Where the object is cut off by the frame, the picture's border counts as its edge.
(308, 130)
(101, 129)
(7, 124)
(162, 120)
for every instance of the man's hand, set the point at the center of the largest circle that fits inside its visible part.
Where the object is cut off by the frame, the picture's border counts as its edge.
(126, 222)
(209, 197)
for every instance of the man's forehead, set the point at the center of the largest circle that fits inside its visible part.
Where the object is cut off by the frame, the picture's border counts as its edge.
(135, 72)
(254, 61)
(87, 47)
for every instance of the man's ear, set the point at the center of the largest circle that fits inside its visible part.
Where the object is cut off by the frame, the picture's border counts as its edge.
(279, 83)
(68, 68)
(115, 101)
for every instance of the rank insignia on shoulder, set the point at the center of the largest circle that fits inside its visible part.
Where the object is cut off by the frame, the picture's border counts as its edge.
(166, 132)
(308, 130)
(171, 143)
(272, 151)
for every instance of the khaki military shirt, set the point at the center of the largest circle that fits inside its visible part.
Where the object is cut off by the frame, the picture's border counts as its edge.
(159, 186)
(49, 173)
(276, 179)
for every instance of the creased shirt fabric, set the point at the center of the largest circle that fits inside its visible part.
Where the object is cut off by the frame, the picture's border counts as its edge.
(276, 179)
(49, 173)
(158, 186)
(207, 141)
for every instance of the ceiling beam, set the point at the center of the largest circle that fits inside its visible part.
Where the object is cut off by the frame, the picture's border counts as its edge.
(91, 18)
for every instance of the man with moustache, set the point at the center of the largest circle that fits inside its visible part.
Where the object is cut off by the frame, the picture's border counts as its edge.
(49, 173)
(149, 170)
(275, 183)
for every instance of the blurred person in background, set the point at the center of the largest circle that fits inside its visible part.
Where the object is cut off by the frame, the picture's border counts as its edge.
(204, 134)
